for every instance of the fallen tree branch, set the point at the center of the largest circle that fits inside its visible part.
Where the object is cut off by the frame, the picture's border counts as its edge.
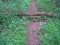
(37, 14)
(31, 14)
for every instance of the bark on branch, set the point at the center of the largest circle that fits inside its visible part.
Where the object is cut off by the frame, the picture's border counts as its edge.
(37, 14)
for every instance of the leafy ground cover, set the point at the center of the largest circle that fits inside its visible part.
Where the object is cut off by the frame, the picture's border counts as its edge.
(49, 34)
(13, 30)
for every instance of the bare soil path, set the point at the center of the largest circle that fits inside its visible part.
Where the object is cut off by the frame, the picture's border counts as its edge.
(32, 26)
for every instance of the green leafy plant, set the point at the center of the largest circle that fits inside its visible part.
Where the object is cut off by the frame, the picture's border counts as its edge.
(51, 31)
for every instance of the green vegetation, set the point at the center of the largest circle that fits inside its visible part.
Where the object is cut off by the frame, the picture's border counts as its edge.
(13, 28)
(51, 31)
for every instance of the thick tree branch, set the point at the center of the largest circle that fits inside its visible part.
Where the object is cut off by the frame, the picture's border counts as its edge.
(37, 14)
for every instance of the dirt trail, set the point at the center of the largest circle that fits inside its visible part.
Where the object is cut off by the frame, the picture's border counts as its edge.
(32, 8)
(32, 26)
(32, 33)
